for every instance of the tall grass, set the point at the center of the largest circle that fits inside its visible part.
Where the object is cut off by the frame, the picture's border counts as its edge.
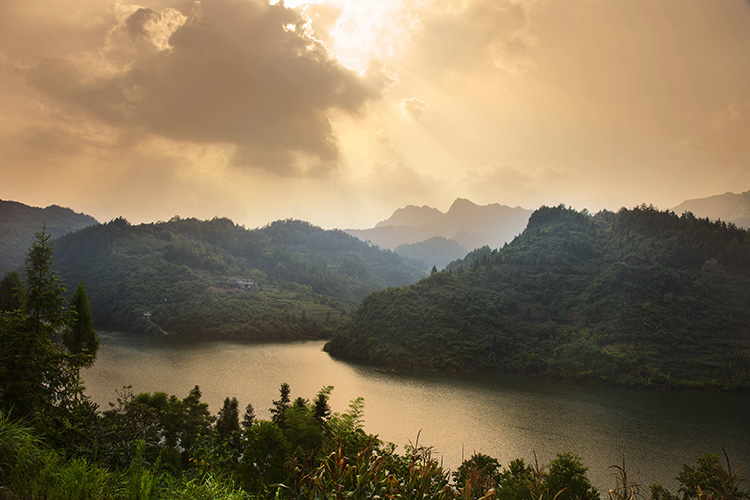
(22, 455)
(29, 469)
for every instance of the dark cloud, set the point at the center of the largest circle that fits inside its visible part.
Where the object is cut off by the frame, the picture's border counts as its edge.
(138, 21)
(236, 71)
(50, 140)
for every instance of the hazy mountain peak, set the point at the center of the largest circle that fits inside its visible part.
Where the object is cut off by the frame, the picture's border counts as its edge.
(412, 216)
(728, 207)
(466, 223)
(462, 204)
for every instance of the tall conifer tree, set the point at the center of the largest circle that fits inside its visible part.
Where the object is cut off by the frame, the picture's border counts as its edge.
(44, 288)
(278, 412)
(80, 337)
(39, 379)
(229, 418)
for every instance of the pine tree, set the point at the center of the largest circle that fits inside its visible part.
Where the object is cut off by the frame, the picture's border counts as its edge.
(44, 288)
(80, 337)
(248, 419)
(229, 418)
(38, 378)
(321, 406)
(278, 412)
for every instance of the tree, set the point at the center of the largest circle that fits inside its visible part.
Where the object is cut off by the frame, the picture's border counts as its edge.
(22, 365)
(248, 419)
(80, 337)
(483, 470)
(263, 457)
(197, 418)
(302, 429)
(708, 479)
(517, 481)
(229, 419)
(567, 476)
(44, 288)
(11, 292)
(321, 406)
(167, 428)
(279, 406)
(38, 378)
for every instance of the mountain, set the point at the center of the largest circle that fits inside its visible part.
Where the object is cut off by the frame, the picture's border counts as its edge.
(213, 278)
(437, 251)
(468, 224)
(635, 298)
(728, 207)
(19, 222)
(413, 216)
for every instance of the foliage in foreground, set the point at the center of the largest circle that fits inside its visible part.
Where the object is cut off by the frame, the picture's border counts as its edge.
(260, 462)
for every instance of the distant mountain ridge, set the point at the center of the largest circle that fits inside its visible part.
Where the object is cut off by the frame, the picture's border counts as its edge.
(436, 251)
(635, 298)
(728, 207)
(413, 216)
(19, 222)
(466, 223)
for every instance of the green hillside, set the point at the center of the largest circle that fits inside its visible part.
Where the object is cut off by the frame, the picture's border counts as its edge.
(19, 222)
(640, 297)
(182, 276)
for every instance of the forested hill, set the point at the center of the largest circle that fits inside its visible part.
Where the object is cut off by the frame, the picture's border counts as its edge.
(639, 297)
(19, 222)
(298, 279)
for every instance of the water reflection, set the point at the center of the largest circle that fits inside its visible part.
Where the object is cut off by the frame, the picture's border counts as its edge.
(503, 416)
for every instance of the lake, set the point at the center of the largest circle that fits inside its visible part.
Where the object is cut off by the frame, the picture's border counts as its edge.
(503, 416)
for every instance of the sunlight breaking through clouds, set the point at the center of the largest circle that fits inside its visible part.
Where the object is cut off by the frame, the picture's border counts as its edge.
(296, 101)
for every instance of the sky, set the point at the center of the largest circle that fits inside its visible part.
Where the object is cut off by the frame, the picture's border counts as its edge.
(340, 111)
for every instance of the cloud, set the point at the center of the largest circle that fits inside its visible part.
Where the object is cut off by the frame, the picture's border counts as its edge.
(240, 72)
(731, 127)
(374, 30)
(157, 28)
(480, 33)
(29, 28)
(734, 118)
(724, 137)
(413, 109)
(380, 137)
(503, 181)
(398, 183)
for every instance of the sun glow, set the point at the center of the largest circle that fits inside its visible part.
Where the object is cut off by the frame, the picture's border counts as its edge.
(360, 32)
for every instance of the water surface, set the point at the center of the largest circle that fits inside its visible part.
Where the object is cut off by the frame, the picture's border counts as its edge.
(505, 416)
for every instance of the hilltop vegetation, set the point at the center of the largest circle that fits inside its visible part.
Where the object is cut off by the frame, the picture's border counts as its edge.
(639, 297)
(19, 222)
(56, 444)
(184, 274)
